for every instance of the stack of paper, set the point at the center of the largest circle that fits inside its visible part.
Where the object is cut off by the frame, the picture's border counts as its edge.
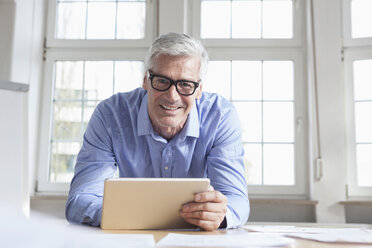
(237, 240)
(334, 235)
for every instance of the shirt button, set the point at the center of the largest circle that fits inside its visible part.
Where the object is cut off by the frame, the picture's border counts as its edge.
(166, 167)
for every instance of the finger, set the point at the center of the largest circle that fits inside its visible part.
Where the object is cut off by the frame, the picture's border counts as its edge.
(202, 215)
(210, 196)
(207, 206)
(204, 224)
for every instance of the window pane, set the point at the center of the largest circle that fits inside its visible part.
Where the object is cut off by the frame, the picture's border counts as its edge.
(277, 80)
(215, 19)
(67, 121)
(363, 121)
(247, 80)
(98, 80)
(71, 19)
(361, 18)
(268, 19)
(101, 21)
(128, 75)
(69, 80)
(63, 161)
(278, 122)
(131, 20)
(89, 107)
(278, 164)
(71, 116)
(277, 21)
(246, 19)
(250, 115)
(253, 163)
(363, 80)
(364, 164)
(218, 78)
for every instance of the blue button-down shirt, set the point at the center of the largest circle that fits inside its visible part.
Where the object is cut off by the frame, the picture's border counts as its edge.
(120, 136)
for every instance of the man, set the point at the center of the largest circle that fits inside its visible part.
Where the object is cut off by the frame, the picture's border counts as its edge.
(167, 128)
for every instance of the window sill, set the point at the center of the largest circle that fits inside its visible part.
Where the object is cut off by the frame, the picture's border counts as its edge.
(284, 201)
(48, 197)
(356, 203)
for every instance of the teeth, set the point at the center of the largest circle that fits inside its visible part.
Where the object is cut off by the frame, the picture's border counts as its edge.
(169, 108)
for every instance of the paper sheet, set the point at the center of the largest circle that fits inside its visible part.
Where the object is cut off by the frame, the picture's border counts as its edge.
(237, 240)
(115, 241)
(291, 229)
(360, 236)
(331, 235)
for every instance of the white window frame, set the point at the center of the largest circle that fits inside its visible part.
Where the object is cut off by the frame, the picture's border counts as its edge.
(354, 49)
(272, 49)
(296, 41)
(348, 40)
(53, 42)
(79, 50)
(353, 190)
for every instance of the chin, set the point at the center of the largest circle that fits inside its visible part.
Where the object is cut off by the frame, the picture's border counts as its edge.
(170, 123)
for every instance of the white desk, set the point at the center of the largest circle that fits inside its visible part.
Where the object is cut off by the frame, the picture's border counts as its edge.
(46, 231)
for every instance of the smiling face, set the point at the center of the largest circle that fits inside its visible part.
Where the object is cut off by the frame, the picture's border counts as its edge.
(168, 110)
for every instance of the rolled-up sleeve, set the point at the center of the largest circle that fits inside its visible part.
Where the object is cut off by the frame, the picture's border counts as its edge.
(95, 163)
(225, 168)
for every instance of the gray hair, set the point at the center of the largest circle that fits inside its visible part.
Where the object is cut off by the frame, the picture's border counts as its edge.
(176, 44)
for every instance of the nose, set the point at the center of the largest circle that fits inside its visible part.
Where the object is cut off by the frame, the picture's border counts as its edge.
(172, 93)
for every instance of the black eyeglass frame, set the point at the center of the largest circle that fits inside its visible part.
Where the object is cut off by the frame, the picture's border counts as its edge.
(173, 82)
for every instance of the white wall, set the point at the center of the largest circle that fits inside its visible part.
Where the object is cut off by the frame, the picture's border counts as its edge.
(13, 151)
(21, 49)
(328, 44)
(35, 78)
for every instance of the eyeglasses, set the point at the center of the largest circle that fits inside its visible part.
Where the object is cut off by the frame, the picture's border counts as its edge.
(183, 87)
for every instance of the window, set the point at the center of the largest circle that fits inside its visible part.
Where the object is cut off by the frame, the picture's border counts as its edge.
(358, 82)
(256, 62)
(246, 19)
(100, 19)
(95, 23)
(261, 91)
(93, 50)
(79, 87)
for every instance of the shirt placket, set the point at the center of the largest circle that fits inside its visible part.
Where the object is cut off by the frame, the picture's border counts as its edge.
(166, 160)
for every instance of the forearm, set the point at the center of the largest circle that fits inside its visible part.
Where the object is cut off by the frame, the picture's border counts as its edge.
(237, 212)
(84, 209)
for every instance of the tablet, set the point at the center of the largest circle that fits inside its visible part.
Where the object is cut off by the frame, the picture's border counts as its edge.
(148, 203)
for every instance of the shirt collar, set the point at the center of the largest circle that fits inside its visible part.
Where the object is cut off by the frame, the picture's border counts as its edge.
(144, 125)
(143, 121)
(191, 127)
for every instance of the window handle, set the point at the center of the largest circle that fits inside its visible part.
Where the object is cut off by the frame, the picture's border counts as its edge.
(318, 169)
(299, 124)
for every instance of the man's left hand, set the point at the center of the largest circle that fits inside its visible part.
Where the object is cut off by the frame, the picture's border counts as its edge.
(207, 211)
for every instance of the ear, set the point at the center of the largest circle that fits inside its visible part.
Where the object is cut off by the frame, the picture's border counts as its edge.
(144, 83)
(199, 93)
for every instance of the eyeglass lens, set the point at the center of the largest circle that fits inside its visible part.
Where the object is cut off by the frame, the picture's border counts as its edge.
(183, 87)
